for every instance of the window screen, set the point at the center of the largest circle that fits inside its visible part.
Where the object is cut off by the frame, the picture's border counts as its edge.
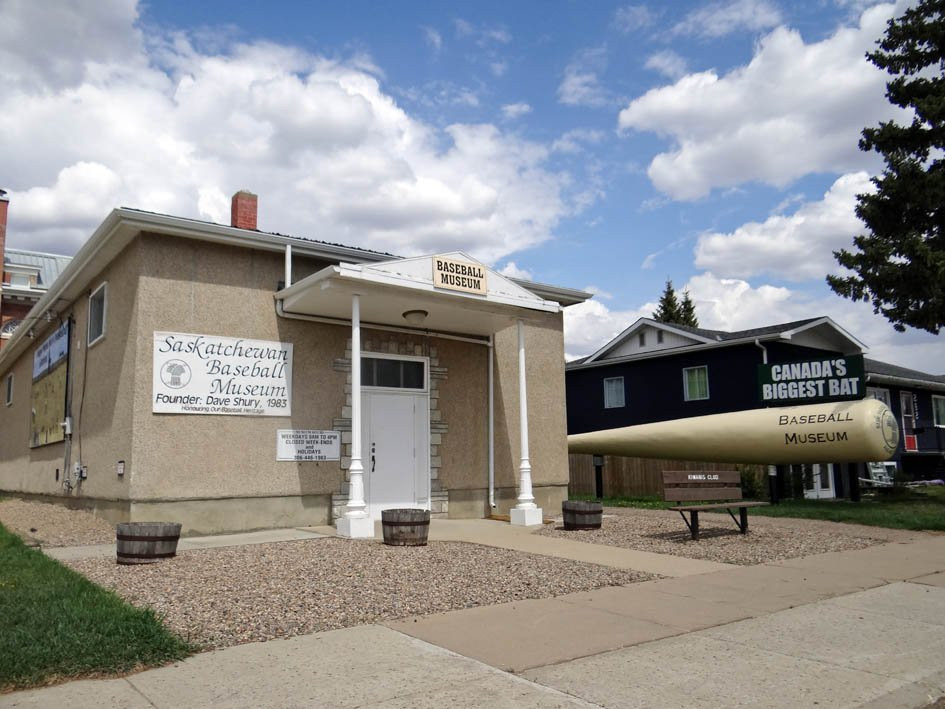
(613, 393)
(696, 383)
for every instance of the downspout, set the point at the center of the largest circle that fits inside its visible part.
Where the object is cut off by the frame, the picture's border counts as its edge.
(764, 352)
(491, 425)
(288, 265)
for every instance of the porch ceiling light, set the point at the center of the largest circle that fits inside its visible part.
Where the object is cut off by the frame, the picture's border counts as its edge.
(415, 317)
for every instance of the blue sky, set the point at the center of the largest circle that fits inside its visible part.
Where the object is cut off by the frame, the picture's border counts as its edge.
(597, 145)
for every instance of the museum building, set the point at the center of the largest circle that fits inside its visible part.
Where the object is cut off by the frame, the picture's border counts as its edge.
(233, 379)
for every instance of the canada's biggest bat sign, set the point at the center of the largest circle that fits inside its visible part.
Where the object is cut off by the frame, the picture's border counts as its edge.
(818, 433)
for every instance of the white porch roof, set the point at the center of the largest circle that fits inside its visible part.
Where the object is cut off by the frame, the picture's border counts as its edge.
(391, 288)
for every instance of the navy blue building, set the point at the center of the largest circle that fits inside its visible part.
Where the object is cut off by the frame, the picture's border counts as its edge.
(656, 371)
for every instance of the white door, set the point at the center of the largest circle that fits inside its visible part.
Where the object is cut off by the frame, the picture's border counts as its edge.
(818, 481)
(395, 428)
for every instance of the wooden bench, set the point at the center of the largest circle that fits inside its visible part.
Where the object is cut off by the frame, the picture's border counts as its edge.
(696, 485)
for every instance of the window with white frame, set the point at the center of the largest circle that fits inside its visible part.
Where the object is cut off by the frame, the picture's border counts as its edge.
(97, 312)
(696, 383)
(613, 393)
(938, 410)
(9, 398)
(642, 339)
(659, 337)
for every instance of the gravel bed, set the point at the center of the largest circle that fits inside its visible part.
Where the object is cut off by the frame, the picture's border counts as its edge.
(49, 525)
(664, 532)
(232, 595)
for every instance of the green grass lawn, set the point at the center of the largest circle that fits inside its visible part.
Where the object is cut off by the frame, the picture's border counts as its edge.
(55, 624)
(914, 508)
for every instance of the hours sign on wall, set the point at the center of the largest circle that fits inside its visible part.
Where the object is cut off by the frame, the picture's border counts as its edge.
(298, 444)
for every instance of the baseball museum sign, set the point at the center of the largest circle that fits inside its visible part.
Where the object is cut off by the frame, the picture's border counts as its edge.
(207, 374)
(811, 381)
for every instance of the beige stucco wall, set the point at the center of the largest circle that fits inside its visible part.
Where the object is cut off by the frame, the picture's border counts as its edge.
(219, 472)
(101, 404)
(547, 424)
(196, 287)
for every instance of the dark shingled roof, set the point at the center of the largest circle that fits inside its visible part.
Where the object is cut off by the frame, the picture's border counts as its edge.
(873, 366)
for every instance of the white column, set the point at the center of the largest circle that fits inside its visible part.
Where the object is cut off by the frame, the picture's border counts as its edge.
(356, 521)
(525, 513)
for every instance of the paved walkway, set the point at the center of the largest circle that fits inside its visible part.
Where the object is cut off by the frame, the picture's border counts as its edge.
(844, 629)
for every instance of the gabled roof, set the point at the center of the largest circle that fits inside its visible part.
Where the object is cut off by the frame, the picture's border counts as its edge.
(700, 338)
(696, 335)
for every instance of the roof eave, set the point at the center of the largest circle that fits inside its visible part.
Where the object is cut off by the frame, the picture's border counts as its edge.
(892, 380)
(711, 344)
(562, 296)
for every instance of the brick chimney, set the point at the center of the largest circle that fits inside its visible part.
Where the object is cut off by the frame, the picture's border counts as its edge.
(243, 210)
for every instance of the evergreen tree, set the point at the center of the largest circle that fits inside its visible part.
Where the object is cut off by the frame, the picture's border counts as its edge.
(900, 263)
(667, 310)
(687, 311)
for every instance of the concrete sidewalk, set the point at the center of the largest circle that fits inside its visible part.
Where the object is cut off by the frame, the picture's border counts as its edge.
(845, 629)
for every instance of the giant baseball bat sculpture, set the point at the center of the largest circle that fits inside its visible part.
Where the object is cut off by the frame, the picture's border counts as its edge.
(817, 433)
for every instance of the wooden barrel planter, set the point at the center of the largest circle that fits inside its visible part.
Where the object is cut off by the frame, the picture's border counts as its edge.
(405, 527)
(147, 542)
(582, 515)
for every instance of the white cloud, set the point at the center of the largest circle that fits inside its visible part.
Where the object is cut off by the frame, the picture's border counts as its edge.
(483, 35)
(437, 93)
(650, 260)
(633, 17)
(55, 44)
(797, 247)
(433, 38)
(795, 109)
(168, 127)
(511, 111)
(733, 304)
(581, 85)
(572, 141)
(591, 324)
(498, 68)
(599, 293)
(668, 63)
(718, 19)
(512, 270)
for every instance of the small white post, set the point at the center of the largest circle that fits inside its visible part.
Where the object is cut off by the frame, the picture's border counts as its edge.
(356, 522)
(526, 512)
